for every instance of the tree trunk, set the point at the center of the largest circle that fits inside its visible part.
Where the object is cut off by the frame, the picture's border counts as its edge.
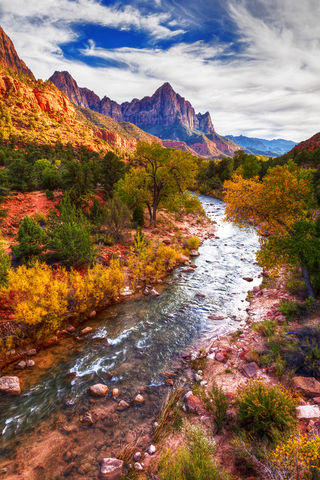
(150, 213)
(307, 281)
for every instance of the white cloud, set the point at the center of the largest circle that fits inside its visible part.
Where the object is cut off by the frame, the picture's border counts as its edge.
(270, 88)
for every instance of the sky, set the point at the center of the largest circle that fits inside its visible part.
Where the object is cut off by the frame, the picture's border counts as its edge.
(253, 64)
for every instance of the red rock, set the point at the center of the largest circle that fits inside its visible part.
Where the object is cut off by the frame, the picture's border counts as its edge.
(309, 386)
(194, 404)
(250, 370)
(99, 390)
(9, 57)
(111, 468)
(86, 330)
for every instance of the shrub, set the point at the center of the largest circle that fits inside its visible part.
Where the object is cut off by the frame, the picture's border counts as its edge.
(216, 401)
(191, 461)
(170, 415)
(304, 357)
(69, 235)
(288, 308)
(296, 459)
(193, 243)
(116, 218)
(266, 412)
(138, 216)
(267, 328)
(5, 263)
(31, 240)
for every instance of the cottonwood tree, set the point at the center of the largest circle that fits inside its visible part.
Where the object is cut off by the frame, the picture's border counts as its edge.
(282, 207)
(159, 173)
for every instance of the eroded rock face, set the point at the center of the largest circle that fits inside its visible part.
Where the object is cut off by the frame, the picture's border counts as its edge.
(10, 384)
(9, 57)
(111, 468)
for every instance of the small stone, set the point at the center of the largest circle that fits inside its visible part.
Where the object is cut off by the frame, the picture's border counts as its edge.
(70, 328)
(200, 295)
(309, 386)
(152, 449)
(123, 405)
(251, 369)
(115, 392)
(22, 364)
(194, 253)
(155, 424)
(87, 419)
(111, 468)
(248, 279)
(220, 357)
(197, 377)
(154, 293)
(31, 352)
(169, 381)
(92, 314)
(137, 456)
(10, 384)
(138, 466)
(308, 411)
(203, 383)
(30, 363)
(138, 399)
(99, 390)
(86, 330)
(194, 404)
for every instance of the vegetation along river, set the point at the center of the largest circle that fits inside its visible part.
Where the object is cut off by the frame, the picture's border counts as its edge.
(132, 343)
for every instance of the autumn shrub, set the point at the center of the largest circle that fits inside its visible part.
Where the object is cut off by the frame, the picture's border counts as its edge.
(31, 239)
(192, 243)
(296, 459)
(42, 296)
(266, 412)
(193, 460)
(147, 261)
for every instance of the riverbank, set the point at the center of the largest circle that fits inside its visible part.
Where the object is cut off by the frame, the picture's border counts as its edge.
(133, 347)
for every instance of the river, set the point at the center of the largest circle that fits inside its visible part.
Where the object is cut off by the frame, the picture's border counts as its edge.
(132, 343)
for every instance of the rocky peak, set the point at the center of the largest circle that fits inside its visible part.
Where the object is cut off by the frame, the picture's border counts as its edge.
(205, 122)
(79, 96)
(9, 57)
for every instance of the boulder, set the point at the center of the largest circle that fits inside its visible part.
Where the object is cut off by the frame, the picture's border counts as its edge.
(308, 411)
(10, 385)
(309, 386)
(111, 468)
(86, 330)
(99, 390)
(251, 369)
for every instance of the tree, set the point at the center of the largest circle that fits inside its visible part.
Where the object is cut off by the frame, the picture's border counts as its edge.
(69, 235)
(31, 239)
(5, 263)
(112, 170)
(165, 172)
(116, 217)
(278, 206)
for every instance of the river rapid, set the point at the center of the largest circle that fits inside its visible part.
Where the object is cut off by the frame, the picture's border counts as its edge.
(134, 342)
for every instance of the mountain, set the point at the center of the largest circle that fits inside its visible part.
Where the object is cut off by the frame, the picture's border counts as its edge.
(165, 114)
(309, 144)
(260, 146)
(9, 57)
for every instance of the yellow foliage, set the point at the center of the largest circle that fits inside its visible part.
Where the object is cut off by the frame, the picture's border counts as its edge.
(297, 458)
(45, 296)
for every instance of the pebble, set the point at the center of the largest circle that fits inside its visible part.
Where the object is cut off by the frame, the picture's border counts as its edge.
(30, 363)
(86, 330)
(99, 390)
(115, 392)
(22, 364)
(152, 449)
(137, 456)
(31, 352)
(138, 399)
(123, 405)
(138, 466)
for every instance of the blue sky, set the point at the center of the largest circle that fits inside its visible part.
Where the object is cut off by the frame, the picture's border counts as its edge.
(254, 64)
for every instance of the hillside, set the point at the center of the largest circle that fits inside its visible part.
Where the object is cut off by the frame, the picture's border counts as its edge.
(165, 114)
(310, 144)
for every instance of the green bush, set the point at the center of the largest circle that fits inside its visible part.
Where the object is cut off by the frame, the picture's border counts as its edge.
(31, 239)
(288, 308)
(116, 217)
(5, 263)
(191, 461)
(266, 412)
(69, 235)
(216, 401)
(138, 216)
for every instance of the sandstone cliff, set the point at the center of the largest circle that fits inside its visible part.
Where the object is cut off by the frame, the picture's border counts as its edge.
(9, 57)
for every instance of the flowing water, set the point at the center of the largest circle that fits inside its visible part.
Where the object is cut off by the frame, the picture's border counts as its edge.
(132, 343)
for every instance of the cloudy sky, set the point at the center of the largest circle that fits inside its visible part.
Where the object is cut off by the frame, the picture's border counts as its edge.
(254, 64)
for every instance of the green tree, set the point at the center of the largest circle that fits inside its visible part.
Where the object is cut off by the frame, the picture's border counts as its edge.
(5, 263)
(116, 217)
(112, 170)
(31, 239)
(69, 235)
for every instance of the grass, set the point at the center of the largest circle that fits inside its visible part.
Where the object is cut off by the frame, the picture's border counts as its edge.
(193, 460)
(170, 416)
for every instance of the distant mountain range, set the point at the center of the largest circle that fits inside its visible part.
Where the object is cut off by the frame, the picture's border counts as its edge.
(165, 114)
(259, 146)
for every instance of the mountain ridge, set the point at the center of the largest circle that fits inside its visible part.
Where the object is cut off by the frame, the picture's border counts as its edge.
(260, 146)
(9, 57)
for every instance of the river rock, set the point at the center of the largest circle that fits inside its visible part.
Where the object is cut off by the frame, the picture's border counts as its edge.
(99, 390)
(70, 328)
(248, 279)
(194, 253)
(92, 314)
(87, 419)
(194, 404)
(250, 370)
(10, 384)
(86, 330)
(308, 411)
(152, 449)
(137, 457)
(201, 295)
(138, 466)
(30, 363)
(115, 392)
(111, 468)
(154, 293)
(22, 364)
(309, 386)
(123, 405)
(138, 398)
(32, 352)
